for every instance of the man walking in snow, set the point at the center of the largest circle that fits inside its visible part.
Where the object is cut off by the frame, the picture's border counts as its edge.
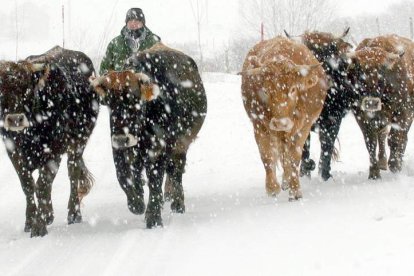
(134, 37)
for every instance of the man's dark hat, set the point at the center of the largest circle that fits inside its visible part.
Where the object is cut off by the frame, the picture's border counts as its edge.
(135, 13)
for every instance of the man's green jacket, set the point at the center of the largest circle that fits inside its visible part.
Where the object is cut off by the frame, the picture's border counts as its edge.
(120, 49)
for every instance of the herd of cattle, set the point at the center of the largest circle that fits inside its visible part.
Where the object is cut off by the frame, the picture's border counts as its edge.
(49, 105)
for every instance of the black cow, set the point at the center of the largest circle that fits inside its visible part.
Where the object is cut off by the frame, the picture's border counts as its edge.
(154, 116)
(47, 108)
(330, 50)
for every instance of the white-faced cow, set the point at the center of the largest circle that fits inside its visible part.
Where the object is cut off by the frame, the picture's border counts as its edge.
(283, 88)
(330, 50)
(382, 72)
(47, 109)
(156, 111)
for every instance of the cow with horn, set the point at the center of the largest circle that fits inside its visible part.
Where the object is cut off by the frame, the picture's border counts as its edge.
(381, 70)
(156, 110)
(331, 51)
(283, 90)
(47, 109)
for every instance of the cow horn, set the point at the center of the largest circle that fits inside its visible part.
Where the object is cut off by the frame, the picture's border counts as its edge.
(37, 67)
(144, 78)
(392, 59)
(97, 83)
(94, 81)
(401, 53)
(287, 34)
(313, 66)
(254, 71)
(304, 69)
(149, 90)
(345, 33)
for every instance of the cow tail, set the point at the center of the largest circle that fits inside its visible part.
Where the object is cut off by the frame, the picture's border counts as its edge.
(86, 181)
(335, 153)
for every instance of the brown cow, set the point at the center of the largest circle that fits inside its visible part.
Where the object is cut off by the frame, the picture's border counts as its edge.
(283, 89)
(381, 71)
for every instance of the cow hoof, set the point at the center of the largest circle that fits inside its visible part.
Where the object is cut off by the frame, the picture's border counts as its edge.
(374, 173)
(325, 176)
(295, 195)
(307, 166)
(38, 230)
(273, 191)
(168, 196)
(74, 218)
(285, 186)
(394, 166)
(382, 164)
(27, 227)
(49, 219)
(303, 173)
(154, 222)
(177, 206)
(137, 206)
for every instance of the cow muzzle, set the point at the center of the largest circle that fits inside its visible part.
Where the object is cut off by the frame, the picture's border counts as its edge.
(284, 124)
(371, 104)
(124, 141)
(16, 122)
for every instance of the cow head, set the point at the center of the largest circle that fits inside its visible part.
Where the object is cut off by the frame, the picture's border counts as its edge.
(326, 47)
(125, 93)
(19, 83)
(371, 69)
(281, 83)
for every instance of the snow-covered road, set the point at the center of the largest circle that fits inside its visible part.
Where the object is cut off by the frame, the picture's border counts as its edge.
(346, 226)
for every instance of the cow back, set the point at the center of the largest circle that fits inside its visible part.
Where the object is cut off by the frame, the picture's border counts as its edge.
(182, 100)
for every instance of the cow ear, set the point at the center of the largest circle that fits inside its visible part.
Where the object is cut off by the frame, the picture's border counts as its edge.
(98, 85)
(43, 70)
(149, 90)
(392, 59)
(351, 60)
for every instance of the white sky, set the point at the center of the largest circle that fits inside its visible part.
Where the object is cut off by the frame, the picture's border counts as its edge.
(356, 7)
(94, 22)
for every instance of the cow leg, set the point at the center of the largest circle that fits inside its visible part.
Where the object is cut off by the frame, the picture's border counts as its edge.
(292, 152)
(267, 153)
(125, 159)
(398, 141)
(81, 181)
(327, 136)
(370, 134)
(371, 138)
(175, 169)
(27, 182)
(290, 173)
(382, 154)
(155, 173)
(136, 202)
(307, 165)
(44, 189)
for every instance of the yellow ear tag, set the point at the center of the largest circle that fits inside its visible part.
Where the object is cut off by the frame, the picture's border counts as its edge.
(149, 91)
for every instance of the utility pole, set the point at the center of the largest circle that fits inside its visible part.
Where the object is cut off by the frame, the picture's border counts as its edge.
(261, 24)
(63, 26)
(17, 29)
(411, 28)
(378, 26)
(198, 17)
